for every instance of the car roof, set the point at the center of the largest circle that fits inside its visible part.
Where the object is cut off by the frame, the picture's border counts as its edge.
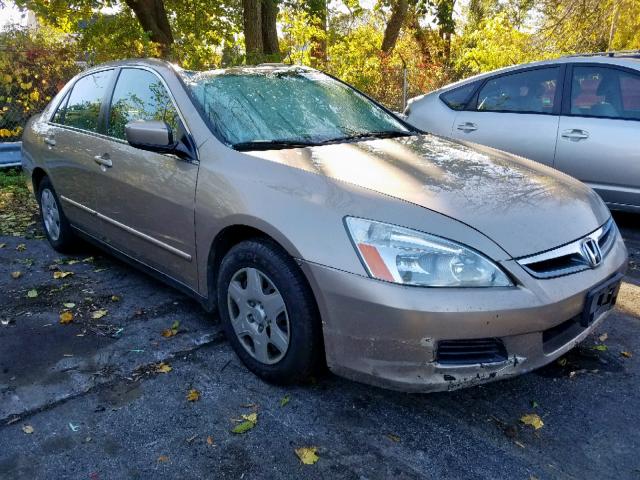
(630, 59)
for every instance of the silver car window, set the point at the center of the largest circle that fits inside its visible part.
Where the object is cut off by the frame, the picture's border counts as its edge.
(139, 95)
(294, 105)
(532, 91)
(605, 92)
(82, 110)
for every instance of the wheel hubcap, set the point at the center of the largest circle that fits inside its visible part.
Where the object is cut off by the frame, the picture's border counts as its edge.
(258, 315)
(50, 214)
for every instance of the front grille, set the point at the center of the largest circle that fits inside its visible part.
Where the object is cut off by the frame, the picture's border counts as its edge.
(569, 258)
(466, 352)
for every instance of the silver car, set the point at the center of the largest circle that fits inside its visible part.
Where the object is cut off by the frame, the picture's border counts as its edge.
(579, 114)
(321, 227)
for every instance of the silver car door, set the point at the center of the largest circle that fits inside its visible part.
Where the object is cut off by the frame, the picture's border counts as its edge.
(146, 200)
(70, 140)
(599, 132)
(515, 112)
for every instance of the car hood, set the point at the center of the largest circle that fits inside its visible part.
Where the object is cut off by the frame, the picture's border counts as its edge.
(523, 206)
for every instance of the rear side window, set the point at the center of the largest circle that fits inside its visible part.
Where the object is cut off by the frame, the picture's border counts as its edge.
(532, 91)
(458, 98)
(83, 107)
(140, 95)
(605, 92)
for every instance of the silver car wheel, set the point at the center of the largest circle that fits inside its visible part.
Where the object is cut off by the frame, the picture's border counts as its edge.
(258, 315)
(50, 214)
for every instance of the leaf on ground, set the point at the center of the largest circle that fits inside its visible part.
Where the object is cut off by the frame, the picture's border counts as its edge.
(99, 314)
(603, 337)
(171, 331)
(193, 395)
(98, 270)
(16, 275)
(115, 298)
(532, 419)
(2, 245)
(60, 274)
(601, 348)
(307, 455)
(393, 437)
(73, 261)
(626, 354)
(163, 459)
(284, 400)
(562, 362)
(69, 305)
(210, 441)
(249, 421)
(27, 429)
(163, 368)
(66, 317)
(32, 293)
(21, 248)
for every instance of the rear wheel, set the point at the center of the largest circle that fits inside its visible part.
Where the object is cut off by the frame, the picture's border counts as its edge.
(55, 223)
(268, 312)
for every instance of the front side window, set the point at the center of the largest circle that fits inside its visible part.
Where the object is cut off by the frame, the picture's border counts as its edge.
(605, 92)
(288, 107)
(83, 107)
(532, 91)
(457, 99)
(139, 95)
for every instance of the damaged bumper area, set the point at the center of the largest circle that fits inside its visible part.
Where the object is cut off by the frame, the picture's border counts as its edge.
(435, 339)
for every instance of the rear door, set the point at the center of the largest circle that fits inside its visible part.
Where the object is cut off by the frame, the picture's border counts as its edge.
(600, 129)
(517, 112)
(72, 139)
(146, 200)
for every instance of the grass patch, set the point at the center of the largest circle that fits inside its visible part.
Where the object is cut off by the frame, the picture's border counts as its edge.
(18, 209)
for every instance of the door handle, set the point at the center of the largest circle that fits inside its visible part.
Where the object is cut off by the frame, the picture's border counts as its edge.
(103, 160)
(575, 134)
(467, 127)
(50, 141)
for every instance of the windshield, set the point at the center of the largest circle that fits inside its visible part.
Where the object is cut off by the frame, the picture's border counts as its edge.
(279, 108)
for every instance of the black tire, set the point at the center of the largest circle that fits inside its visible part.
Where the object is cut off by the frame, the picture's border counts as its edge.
(305, 352)
(66, 240)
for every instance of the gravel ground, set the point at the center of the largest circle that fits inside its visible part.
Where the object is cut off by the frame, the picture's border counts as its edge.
(95, 398)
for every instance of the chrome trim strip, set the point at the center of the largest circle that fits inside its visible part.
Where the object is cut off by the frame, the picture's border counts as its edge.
(126, 228)
(573, 248)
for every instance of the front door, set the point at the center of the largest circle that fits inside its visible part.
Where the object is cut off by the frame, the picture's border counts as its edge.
(146, 200)
(515, 112)
(599, 132)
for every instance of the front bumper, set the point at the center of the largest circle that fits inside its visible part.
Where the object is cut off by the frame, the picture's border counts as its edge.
(387, 335)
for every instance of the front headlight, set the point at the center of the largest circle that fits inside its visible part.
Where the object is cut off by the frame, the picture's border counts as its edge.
(401, 255)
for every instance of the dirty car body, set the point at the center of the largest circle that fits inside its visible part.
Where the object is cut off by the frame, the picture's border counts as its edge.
(426, 264)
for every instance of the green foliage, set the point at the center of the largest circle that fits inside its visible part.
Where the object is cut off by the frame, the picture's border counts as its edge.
(35, 65)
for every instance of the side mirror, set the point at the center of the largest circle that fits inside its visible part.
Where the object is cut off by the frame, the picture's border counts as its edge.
(152, 135)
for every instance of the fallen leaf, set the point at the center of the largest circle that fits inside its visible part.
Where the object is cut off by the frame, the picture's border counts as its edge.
(603, 337)
(88, 260)
(534, 404)
(163, 368)
(21, 248)
(66, 317)
(393, 437)
(98, 270)
(27, 429)
(115, 298)
(99, 314)
(249, 422)
(601, 348)
(532, 419)
(562, 362)
(210, 441)
(73, 261)
(307, 455)
(32, 293)
(2, 245)
(69, 305)
(626, 354)
(16, 275)
(193, 395)
(60, 274)
(163, 458)
(284, 400)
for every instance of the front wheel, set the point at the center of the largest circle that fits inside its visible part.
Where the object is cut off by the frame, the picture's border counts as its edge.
(55, 223)
(268, 312)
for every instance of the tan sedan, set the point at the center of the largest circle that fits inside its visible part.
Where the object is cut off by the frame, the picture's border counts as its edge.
(322, 227)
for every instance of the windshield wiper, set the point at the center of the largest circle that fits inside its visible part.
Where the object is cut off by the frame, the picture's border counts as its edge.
(271, 145)
(364, 135)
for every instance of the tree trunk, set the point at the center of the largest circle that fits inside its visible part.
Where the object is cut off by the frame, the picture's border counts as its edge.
(252, 21)
(153, 19)
(269, 14)
(421, 37)
(392, 31)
